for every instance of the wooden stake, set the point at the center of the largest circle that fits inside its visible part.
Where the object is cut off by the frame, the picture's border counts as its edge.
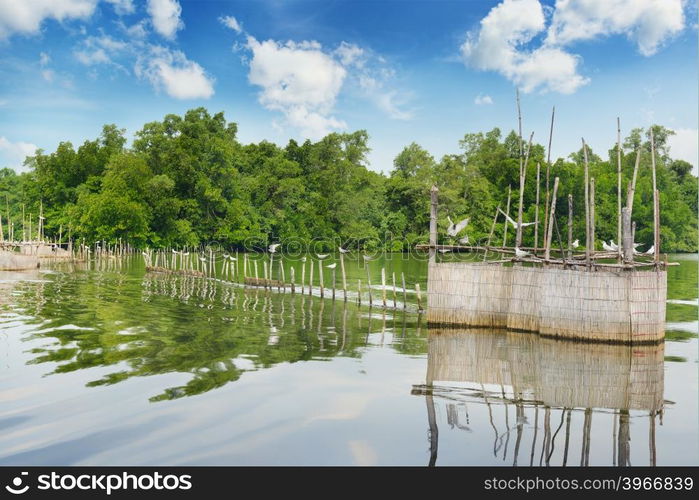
(368, 280)
(618, 183)
(507, 211)
(419, 298)
(344, 278)
(434, 192)
(570, 226)
(536, 212)
(405, 298)
(627, 234)
(592, 215)
(393, 279)
(552, 214)
(383, 286)
(310, 281)
(548, 171)
(656, 215)
(587, 205)
(303, 277)
(320, 276)
(632, 187)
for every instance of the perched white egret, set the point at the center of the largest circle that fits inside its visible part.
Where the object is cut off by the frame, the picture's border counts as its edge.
(342, 250)
(273, 247)
(303, 259)
(321, 256)
(231, 258)
(607, 247)
(613, 245)
(651, 250)
(332, 266)
(464, 240)
(455, 229)
(521, 253)
(203, 259)
(576, 244)
(513, 222)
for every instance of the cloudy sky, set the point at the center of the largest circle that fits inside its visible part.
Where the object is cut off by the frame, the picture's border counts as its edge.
(405, 70)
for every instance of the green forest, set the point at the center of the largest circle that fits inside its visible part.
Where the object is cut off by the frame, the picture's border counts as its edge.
(188, 181)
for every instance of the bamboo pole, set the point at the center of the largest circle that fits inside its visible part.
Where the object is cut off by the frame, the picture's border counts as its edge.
(405, 298)
(320, 276)
(522, 182)
(383, 286)
(419, 298)
(257, 277)
(507, 211)
(310, 280)
(656, 215)
(434, 192)
(492, 230)
(570, 226)
(592, 215)
(627, 234)
(618, 183)
(587, 205)
(264, 262)
(548, 171)
(245, 265)
(344, 277)
(303, 276)
(552, 213)
(632, 187)
(536, 212)
(368, 279)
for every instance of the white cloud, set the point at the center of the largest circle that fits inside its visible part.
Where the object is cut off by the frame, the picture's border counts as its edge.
(172, 72)
(499, 45)
(647, 22)
(483, 99)
(97, 50)
(44, 59)
(165, 16)
(232, 23)
(122, 7)
(300, 80)
(12, 154)
(89, 58)
(351, 54)
(683, 146)
(48, 75)
(24, 16)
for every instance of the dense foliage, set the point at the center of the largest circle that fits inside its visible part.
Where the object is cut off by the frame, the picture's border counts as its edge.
(188, 181)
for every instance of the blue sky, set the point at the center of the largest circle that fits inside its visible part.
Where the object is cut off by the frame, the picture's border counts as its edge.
(427, 71)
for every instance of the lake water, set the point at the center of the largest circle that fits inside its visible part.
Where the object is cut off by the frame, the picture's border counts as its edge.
(104, 364)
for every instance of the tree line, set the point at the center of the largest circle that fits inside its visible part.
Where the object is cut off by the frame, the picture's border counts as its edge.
(188, 181)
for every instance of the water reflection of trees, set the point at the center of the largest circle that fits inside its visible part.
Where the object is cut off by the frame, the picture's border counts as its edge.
(550, 378)
(169, 324)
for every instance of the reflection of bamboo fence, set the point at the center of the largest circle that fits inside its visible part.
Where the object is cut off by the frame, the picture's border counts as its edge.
(617, 306)
(557, 373)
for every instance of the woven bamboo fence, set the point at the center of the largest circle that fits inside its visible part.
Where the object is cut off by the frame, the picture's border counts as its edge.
(12, 261)
(612, 306)
(557, 373)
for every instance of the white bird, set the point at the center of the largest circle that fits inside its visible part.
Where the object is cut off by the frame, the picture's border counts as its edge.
(303, 259)
(607, 247)
(514, 223)
(366, 258)
(613, 245)
(464, 240)
(455, 229)
(331, 266)
(225, 255)
(444, 250)
(203, 259)
(321, 256)
(230, 257)
(651, 250)
(342, 250)
(521, 253)
(576, 244)
(185, 253)
(174, 251)
(273, 247)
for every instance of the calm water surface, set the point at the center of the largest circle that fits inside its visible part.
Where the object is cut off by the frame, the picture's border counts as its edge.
(104, 364)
